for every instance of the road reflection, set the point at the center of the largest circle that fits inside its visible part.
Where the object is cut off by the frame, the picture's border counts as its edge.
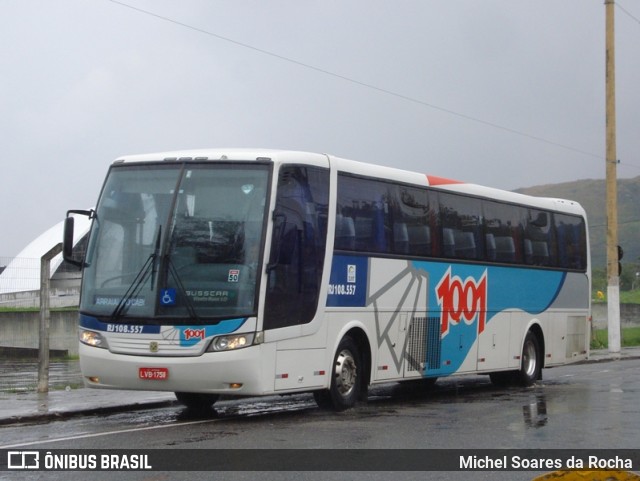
(535, 413)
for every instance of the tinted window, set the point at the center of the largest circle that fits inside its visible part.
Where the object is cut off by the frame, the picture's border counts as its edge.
(503, 232)
(461, 227)
(363, 220)
(414, 222)
(570, 232)
(298, 246)
(539, 239)
(382, 217)
(379, 216)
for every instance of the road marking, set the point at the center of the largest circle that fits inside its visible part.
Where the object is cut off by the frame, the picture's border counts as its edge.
(106, 433)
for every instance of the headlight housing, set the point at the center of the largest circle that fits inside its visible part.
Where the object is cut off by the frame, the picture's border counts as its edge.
(231, 342)
(93, 339)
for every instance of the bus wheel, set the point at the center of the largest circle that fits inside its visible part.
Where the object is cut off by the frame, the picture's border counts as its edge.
(531, 361)
(197, 401)
(346, 378)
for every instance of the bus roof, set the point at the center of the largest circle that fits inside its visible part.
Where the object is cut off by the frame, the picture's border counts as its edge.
(357, 168)
(223, 154)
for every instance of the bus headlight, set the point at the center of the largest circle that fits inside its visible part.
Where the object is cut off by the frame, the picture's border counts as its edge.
(93, 338)
(231, 342)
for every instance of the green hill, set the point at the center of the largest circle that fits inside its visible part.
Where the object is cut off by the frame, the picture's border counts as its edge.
(592, 195)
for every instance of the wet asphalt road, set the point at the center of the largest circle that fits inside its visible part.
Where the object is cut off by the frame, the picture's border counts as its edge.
(581, 406)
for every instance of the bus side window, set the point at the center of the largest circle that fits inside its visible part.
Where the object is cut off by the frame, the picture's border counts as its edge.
(364, 233)
(505, 249)
(461, 227)
(570, 232)
(504, 240)
(298, 246)
(538, 239)
(419, 239)
(363, 223)
(345, 233)
(411, 230)
(400, 238)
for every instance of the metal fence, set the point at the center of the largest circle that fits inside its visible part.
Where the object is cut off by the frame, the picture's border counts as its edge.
(20, 283)
(27, 337)
(20, 375)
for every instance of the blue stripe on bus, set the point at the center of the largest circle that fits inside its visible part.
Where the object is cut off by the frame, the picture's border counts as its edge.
(485, 292)
(187, 335)
(529, 290)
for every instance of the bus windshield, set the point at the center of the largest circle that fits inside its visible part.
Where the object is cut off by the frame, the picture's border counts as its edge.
(180, 242)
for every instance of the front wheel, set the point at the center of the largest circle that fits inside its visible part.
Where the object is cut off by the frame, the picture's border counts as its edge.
(346, 378)
(197, 401)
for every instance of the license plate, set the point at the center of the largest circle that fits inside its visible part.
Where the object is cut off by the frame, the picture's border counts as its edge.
(153, 373)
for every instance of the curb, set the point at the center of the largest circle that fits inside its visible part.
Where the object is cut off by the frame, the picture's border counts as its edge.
(90, 411)
(608, 358)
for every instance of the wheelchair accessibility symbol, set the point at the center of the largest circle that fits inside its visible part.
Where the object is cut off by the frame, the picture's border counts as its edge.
(168, 297)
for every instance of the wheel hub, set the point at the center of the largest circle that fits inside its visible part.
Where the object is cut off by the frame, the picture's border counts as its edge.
(345, 373)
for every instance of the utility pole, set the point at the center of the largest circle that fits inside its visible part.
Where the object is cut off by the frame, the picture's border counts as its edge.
(613, 273)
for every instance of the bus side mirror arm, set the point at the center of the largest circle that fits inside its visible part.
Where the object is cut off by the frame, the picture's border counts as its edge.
(67, 238)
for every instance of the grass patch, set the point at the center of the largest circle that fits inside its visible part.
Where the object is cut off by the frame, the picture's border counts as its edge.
(37, 309)
(63, 387)
(630, 297)
(626, 297)
(630, 338)
(19, 309)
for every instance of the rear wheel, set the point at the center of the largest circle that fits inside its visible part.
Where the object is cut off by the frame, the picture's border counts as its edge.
(346, 378)
(196, 400)
(531, 366)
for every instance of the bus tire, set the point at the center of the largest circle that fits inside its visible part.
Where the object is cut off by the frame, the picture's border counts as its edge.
(197, 401)
(531, 366)
(346, 378)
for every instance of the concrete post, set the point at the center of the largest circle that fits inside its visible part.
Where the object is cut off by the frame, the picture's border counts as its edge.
(45, 318)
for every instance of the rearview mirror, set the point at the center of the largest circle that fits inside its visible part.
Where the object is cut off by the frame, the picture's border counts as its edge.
(67, 237)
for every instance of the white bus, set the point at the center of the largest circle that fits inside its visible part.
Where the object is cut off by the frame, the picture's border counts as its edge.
(241, 272)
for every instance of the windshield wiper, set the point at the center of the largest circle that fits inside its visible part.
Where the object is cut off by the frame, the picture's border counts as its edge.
(156, 250)
(189, 305)
(134, 288)
(148, 269)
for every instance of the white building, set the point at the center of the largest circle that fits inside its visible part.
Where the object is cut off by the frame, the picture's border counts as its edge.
(20, 280)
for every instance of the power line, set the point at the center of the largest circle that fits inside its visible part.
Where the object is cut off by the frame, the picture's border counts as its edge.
(627, 12)
(361, 83)
(626, 222)
(633, 166)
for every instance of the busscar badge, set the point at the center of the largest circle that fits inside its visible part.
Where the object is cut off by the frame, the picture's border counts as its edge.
(153, 346)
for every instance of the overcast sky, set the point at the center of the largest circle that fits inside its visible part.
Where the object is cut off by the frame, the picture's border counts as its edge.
(507, 93)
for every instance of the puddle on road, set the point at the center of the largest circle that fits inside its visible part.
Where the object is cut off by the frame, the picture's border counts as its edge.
(18, 375)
